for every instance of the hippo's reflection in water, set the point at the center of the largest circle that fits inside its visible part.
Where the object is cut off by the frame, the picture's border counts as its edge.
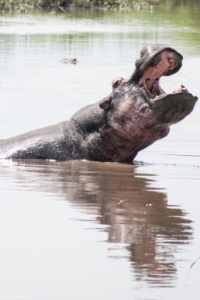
(136, 215)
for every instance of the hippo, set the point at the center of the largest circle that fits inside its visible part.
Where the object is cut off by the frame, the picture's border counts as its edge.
(133, 116)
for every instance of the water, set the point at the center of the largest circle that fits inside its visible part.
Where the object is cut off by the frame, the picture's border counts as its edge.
(88, 230)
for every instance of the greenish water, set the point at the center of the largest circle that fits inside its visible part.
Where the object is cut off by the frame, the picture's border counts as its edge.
(87, 230)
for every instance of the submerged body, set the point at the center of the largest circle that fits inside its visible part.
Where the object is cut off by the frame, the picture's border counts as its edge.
(132, 117)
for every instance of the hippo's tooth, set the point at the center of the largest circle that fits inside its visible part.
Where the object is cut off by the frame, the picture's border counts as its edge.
(183, 88)
(171, 61)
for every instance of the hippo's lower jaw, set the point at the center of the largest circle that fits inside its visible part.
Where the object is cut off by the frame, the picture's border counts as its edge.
(172, 108)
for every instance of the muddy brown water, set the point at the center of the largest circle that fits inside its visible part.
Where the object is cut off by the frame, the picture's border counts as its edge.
(89, 230)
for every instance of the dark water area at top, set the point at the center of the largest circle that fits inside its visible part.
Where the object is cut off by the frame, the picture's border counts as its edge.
(90, 230)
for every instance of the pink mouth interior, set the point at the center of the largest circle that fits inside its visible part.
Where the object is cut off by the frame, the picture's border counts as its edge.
(150, 78)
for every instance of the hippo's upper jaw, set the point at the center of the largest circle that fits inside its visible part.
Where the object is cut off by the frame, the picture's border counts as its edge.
(155, 61)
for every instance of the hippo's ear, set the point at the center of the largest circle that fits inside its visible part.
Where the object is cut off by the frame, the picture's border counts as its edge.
(117, 82)
(105, 103)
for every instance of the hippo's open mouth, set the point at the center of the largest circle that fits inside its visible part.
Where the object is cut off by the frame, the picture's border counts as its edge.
(154, 62)
(163, 63)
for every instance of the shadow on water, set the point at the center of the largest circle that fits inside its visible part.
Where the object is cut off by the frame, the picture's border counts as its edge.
(132, 213)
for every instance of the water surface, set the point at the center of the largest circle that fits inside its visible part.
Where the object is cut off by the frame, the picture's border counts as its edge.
(87, 230)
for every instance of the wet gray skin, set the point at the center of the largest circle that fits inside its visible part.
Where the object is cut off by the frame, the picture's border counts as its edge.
(136, 114)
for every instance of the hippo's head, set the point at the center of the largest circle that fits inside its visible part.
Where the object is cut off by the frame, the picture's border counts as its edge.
(138, 109)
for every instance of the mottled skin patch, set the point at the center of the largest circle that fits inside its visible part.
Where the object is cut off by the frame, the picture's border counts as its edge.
(132, 117)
